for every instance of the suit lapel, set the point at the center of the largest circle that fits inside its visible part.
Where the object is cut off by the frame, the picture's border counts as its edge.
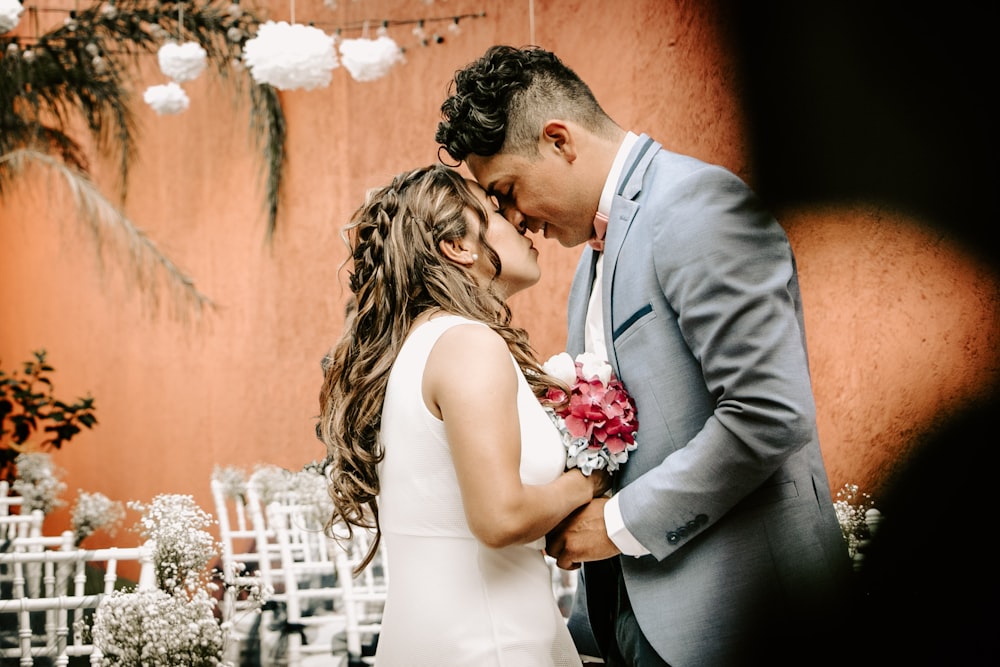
(624, 208)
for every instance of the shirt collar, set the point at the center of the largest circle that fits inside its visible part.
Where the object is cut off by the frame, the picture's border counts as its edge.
(607, 195)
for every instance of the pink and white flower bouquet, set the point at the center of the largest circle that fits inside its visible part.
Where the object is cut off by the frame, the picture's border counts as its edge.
(599, 422)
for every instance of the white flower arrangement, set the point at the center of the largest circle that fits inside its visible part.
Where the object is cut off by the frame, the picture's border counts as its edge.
(173, 624)
(155, 629)
(290, 56)
(369, 59)
(271, 482)
(233, 480)
(182, 62)
(10, 14)
(37, 482)
(312, 489)
(857, 516)
(182, 547)
(166, 99)
(92, 512)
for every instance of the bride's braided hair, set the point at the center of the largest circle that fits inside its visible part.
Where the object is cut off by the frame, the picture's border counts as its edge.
(398, 272)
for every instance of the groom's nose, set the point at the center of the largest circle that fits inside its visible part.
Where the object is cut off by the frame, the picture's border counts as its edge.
(515, 217)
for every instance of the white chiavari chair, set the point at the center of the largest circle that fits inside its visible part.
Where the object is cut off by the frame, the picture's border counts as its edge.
(20, 525)
(64, 601)
(8, 501)
(17, 527)
(564, 585)
(363, 595)
(307, 579)
(240, 558)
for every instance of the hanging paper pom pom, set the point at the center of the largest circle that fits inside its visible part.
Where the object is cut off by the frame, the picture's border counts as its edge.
(182, 62)
(290, 56)
(369, 59)
(166, 99)
(10, 14)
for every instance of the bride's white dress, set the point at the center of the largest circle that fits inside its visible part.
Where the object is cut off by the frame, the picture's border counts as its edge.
(453, 601)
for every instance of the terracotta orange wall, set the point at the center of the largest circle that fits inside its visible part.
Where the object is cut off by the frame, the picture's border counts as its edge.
(902, 320)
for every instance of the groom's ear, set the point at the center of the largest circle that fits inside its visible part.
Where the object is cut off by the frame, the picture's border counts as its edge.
(557, 136)
(455, 250)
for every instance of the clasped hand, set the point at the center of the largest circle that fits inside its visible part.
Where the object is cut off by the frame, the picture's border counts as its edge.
(582, 536)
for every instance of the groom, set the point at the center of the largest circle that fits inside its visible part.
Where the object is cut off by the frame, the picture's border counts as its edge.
(720, 541)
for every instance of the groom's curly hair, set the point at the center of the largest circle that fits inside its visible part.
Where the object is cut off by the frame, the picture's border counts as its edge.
(501, 101)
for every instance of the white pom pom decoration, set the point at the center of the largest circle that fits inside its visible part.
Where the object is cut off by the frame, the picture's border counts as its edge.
(369, 59)
(166, 99)
(10, 14)
(290, 56)
(182, 62)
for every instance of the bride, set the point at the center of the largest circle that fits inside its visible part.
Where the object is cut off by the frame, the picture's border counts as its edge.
(435, 433)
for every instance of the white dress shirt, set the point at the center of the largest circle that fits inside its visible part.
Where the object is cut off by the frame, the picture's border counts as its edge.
(595, 343)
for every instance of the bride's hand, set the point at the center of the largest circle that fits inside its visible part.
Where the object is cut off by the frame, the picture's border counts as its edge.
(601, 482)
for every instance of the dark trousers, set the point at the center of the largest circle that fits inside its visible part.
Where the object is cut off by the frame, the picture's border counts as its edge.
(615, 629)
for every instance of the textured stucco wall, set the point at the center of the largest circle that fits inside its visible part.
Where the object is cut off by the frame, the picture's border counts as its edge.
(902, 321)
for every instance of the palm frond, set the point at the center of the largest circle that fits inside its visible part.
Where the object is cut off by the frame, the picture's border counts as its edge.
(149, 268)
(81, 70)
(268, 124)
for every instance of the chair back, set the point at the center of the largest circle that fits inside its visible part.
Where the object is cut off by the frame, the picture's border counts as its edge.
(307, 579)
(241, 556)
(52, 599)
(364, 594)
(6, 500)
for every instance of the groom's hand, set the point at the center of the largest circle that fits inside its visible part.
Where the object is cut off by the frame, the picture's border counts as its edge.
(581, 537)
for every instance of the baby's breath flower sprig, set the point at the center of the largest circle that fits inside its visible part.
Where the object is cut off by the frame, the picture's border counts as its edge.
(95, 511)
(182, 547)
(155, 629)
(38, 482)
(272, 482)
(233, 480)
(312, 489)
(852, 508)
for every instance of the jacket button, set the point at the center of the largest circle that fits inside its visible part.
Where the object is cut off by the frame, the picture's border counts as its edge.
(673, 537)
(702, 519)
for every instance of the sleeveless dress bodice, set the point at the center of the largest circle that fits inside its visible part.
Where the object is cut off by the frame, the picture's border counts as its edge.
(454, 601)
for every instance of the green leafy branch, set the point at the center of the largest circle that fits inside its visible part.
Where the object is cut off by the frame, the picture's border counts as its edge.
(27, 406)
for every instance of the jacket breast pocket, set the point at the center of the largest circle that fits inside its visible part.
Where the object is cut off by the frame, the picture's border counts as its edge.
(633, 322)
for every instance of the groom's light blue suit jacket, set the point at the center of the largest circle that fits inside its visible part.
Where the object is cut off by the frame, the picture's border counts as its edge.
(727, 489)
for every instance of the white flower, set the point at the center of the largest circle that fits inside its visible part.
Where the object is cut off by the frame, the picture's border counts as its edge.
(10, 14)
(166, 99)
(369, 59)
(232, 479)
(182, 62)
(562, 368)
(93, 511)
(182, 546)
(594, 366)
(290, 56)
(38, 482)
(155, 629)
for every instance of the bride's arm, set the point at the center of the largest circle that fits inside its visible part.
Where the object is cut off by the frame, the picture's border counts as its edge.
(470, 382)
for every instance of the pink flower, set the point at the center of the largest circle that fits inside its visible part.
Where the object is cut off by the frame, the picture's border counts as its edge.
(599, 420)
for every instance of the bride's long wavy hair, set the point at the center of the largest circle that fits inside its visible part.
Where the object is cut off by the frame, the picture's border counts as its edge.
(398, 272)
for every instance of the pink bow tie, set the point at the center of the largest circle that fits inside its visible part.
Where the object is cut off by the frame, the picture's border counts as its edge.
(600, 229)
